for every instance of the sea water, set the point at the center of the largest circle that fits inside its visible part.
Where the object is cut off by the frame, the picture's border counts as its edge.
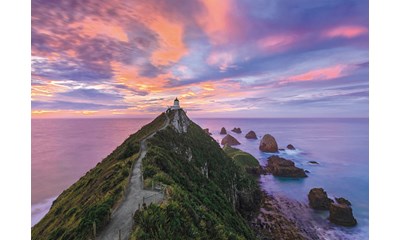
(65, 149)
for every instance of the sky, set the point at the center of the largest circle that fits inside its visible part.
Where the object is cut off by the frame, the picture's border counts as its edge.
(231, 58)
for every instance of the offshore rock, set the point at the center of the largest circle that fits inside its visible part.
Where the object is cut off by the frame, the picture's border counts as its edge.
(223, 131)
(341, 214)
(318, 199)
(268, 144)
(281, 167)
(237, 130)
(251, 135)
(291, 147)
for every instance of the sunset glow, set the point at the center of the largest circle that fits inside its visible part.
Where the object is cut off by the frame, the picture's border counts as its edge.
(232, 58)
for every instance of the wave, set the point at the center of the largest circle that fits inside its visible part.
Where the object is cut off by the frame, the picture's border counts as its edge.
(39, 210)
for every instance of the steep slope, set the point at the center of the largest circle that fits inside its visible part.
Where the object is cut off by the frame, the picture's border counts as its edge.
(208, 196)
(93, 197)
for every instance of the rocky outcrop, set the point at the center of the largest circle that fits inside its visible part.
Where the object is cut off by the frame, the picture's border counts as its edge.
(318, 199)
(343, 201)
(251, 135)
(341, 214)
(180, 121)
(223, 131)
(237, 130)
(281, 167)
(313, 162)
(290, 147)
(230, 141)
(207, 131)
(268, 144)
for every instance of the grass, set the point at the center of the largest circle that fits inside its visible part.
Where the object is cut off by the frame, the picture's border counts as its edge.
(208, 195)
(92, 198)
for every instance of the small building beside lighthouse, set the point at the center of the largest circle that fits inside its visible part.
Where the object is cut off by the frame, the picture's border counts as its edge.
(176, 104)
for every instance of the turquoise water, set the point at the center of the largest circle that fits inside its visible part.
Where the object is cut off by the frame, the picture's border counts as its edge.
(340, 146)
(65, 149)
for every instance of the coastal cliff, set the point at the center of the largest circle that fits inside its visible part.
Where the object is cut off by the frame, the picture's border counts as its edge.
(205, 195)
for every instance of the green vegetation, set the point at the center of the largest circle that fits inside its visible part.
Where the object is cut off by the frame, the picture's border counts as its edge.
(209, 196)
(92, 198)
(242, 159)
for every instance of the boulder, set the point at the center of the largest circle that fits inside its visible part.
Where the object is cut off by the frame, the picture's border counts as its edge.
(229, 140)
(268, 144)
(223, 131)
(343, 201)
(207, 131)
(291, 147)
(281, 167)
(237, 130)
(251, 135)
(341, 214)
(318, 199)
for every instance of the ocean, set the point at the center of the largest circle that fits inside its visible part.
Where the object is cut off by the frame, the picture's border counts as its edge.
(65, 149)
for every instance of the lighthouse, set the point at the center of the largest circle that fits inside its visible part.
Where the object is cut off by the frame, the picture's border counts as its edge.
(176, 104)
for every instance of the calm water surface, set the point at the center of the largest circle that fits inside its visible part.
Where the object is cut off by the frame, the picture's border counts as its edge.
(65, 149)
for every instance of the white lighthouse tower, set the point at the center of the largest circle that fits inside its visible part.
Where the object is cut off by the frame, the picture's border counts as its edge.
(176, 104)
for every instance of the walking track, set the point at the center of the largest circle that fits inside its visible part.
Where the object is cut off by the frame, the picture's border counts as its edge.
(121, 222)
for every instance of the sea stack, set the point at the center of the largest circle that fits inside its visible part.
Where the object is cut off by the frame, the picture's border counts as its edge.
(223, 131)
(290, 147)
(230, 141)
(281, 167)
(318, 199)
(237, 130)
(342, 214)
(268, 144)
(251, 135)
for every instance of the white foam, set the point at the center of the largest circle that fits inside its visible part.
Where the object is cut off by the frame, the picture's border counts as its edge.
(39, 210)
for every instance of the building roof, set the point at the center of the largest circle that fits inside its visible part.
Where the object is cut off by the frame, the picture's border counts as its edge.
(176, 99)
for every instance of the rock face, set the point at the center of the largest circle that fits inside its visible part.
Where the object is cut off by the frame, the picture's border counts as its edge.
(180, 121)
(223, 131)
(251, 135)
(291, 147)
(230, 141)
(237, 130)
(318, 199)
(313, 162)
(268, 144)
(281, 167)
(341, 214)
(207, 131)
(343, 201)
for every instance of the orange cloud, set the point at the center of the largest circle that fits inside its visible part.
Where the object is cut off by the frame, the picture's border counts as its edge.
(172, 47)
(216, 21)
(130, 77)
(346, 31)
(93, 27)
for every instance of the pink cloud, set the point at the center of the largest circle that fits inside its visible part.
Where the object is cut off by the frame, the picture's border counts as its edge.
(345, 31)
(276, 42)
(319, 74)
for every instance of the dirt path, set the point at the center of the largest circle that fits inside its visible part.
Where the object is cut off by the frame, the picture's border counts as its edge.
(121, 220)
